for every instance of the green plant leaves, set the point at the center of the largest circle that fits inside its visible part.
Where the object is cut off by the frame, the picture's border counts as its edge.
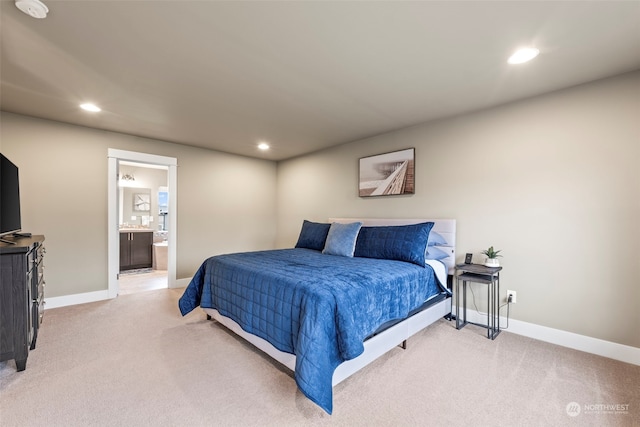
(491, 253)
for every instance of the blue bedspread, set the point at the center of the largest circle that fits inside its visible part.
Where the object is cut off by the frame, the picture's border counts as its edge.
(318, 307)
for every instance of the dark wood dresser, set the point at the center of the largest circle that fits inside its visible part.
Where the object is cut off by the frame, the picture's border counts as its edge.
(21, 297)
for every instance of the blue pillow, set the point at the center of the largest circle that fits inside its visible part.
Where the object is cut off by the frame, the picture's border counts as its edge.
(435, 253)
(313, 235)
(402, 243)
(435, 239)
(341, 239)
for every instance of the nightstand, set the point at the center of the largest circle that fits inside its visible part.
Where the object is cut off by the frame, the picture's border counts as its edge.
(489, 276)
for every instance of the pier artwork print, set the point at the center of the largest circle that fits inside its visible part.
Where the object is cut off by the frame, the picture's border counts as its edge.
(387, 174)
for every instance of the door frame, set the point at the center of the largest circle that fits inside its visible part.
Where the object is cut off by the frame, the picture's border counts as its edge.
(114, 156)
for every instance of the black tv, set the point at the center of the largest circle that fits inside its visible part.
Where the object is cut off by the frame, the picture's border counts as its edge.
(10, 219)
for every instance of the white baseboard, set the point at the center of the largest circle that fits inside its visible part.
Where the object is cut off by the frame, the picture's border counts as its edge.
(181, 283)
(63, 301)
(621, 352)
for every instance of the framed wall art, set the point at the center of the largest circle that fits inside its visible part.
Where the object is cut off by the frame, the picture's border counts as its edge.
(387, 174)
(141, 202)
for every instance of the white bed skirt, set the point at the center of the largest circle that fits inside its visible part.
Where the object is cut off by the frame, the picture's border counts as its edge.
(373, 347)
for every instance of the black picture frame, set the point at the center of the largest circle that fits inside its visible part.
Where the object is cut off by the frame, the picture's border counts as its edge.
(467, 258)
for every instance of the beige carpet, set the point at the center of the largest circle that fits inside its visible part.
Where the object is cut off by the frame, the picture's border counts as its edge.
(134, 361)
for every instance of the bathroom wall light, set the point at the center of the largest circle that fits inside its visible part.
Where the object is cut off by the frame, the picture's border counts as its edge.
(127, 180)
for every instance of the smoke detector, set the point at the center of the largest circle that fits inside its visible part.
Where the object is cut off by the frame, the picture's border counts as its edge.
(33, 8)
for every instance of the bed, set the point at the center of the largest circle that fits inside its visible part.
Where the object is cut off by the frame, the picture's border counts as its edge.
(351, 290)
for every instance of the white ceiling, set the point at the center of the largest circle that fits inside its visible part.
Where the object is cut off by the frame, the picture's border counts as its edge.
(300, 75)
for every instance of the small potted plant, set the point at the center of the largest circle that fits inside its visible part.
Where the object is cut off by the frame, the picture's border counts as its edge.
(492, 257)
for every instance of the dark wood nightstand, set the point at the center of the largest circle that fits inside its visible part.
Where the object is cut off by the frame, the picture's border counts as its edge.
(489, 276)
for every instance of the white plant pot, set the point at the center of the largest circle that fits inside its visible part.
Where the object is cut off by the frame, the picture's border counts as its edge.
(491, 262)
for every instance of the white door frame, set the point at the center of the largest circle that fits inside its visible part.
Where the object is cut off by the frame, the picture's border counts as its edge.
(114, 156)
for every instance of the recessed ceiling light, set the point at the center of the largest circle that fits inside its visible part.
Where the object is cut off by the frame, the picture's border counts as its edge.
(523, 55)
(263, 146)
(90, 107)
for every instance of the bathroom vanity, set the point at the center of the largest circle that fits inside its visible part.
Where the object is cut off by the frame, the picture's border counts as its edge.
(135, 248)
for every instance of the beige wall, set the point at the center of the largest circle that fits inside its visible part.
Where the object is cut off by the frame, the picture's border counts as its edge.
(226, 203)
(552, 181)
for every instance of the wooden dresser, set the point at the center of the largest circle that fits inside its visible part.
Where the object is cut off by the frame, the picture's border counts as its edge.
(21, 297)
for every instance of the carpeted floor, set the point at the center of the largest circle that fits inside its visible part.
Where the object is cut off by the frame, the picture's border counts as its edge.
(134, 361)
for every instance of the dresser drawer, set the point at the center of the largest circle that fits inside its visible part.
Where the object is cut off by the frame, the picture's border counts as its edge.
(39, 291)
(38, 310)
(37, 280)
(30, 323)
(31, 257)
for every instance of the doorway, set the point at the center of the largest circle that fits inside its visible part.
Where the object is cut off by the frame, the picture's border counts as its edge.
(143, 221)
(142, 207)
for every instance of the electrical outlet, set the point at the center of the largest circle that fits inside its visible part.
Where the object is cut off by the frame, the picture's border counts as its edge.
(513, 296)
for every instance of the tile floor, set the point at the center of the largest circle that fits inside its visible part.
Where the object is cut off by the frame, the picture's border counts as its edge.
(132, 283)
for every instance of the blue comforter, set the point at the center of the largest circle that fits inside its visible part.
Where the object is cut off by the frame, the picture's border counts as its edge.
(318, 307)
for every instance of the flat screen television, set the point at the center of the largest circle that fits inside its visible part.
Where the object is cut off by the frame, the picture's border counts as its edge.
(10, 219)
